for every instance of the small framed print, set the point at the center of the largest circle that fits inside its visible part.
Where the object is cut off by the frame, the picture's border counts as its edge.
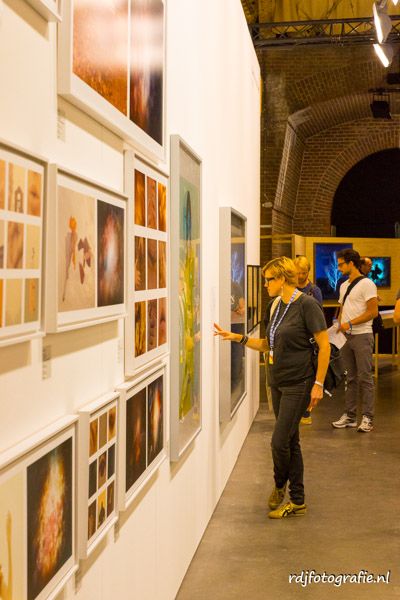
(37, 513)
(97, 477)
(142, 443)
(146, 330)
(120, 83)
(85, 253)
(232, 310)
(48, 9)
(22, 185)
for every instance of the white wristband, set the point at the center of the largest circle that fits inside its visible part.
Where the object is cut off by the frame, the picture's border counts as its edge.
(318, 383)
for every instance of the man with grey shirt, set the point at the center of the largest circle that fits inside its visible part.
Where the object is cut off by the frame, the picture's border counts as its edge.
(358, 309)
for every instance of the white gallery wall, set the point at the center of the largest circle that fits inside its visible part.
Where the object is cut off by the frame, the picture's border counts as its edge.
(213, 103)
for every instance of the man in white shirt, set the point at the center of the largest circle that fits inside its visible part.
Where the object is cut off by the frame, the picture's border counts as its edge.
(359, 308)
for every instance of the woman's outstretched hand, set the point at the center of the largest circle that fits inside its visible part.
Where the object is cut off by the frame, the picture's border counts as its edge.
(226, 335)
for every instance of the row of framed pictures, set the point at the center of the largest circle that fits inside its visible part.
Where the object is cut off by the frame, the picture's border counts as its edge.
(81, 470)
(121, 84)
(107, 256)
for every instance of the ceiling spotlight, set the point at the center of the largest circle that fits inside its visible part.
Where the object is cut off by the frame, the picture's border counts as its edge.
(395, 2)
(385, 53)
(383, 24)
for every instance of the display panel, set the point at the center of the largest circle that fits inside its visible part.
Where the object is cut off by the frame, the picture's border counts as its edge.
(85, 253)
(121, 82)
(327, 276)
(37, 512)
(141, 448)
(232, 310)
(22, 180)
(380, 271)
(97, 478)
(185, 296)
(146, 335)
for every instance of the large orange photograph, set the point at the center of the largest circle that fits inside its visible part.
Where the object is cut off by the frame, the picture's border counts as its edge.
(100, 48)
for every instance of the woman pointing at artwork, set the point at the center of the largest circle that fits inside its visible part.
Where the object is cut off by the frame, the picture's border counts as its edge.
(292, 319)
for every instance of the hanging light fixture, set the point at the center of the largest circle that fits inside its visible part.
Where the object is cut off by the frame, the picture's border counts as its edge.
(383, 24)
(385, 53)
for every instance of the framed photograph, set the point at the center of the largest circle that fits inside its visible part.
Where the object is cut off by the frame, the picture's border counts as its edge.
(37, 513)
(327, 276)
(48, 9)
(380, 271)
(97, 479)
(111, 64)
(142, 443)
(254, 288)
(185, 305)
(146, 330)
(232, 310)
(22, 185)
(85, 253)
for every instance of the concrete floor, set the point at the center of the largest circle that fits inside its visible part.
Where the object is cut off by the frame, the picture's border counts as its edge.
(352, 484)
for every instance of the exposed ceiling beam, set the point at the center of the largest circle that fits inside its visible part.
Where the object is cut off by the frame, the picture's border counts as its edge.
(329, 31)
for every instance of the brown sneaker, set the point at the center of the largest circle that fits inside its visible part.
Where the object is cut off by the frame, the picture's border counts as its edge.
(288, 510)
(276, 497)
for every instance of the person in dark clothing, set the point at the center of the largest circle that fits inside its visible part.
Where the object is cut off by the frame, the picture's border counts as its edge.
(292, 318)
(307, 287)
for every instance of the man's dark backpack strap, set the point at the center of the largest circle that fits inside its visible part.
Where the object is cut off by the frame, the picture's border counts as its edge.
(353, 283)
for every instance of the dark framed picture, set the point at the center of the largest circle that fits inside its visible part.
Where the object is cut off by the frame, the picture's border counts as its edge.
(327, 276)
(254, 287)
(380, 271)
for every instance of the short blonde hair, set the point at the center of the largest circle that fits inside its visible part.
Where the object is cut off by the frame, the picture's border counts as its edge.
(302, 262)
(282, 267)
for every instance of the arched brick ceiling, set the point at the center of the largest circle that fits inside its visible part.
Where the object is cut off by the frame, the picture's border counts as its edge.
(325, 115)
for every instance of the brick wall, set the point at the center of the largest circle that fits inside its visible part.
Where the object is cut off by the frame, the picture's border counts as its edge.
(321, 93)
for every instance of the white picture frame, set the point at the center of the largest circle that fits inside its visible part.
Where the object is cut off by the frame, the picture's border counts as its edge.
(37, 488)
(78, 292)
(142, 431)
(48, 9)
(23, 190)
(148, 273)
(97, 472)
(232, 310)
(111, 112)
(185, 303)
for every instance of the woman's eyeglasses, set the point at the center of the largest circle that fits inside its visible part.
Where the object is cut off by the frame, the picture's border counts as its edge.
(268, 279)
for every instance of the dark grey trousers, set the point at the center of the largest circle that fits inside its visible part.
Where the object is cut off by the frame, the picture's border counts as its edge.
(357, 358)
(289, 404)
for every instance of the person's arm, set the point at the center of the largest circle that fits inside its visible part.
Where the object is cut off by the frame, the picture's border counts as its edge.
(396, 314)
(370, 313)
(252, 343)
(324, 352)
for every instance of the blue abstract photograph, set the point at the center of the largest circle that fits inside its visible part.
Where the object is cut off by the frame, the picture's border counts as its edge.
(327, 275)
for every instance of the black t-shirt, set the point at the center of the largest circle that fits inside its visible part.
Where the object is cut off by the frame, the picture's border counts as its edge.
(292, 348)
